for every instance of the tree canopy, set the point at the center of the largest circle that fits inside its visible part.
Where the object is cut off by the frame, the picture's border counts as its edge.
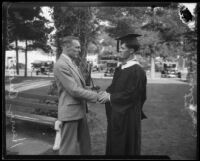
(26, 23)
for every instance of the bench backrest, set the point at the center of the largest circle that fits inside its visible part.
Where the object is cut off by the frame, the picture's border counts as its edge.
(31, 104)
(34, 96)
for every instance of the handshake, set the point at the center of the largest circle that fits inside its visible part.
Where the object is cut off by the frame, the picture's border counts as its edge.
(103, 97)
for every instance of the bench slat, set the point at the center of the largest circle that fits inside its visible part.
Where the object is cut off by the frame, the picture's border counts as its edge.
(34, 96)
(31, 118)
(30, 105)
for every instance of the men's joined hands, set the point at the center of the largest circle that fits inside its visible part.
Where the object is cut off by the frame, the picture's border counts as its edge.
(103, 97)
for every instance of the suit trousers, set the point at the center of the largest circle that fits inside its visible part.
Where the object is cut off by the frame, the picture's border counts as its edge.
(75, 138)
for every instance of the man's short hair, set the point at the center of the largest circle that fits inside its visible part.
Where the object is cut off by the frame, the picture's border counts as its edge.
(136, 47)
(67, 40)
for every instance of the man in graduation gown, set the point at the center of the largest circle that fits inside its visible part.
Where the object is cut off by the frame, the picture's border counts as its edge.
(124, 100)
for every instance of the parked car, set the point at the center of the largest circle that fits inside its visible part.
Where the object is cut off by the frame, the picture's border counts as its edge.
(43, 67)
(170, 71)
(110, 68)
(98, 67)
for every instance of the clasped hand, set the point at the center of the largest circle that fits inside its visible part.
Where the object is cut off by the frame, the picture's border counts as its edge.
(103, 97)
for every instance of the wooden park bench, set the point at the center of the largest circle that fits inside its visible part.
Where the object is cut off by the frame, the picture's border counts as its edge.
(23, 100)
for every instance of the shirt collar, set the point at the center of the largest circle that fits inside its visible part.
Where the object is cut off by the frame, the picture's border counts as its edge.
(67, 57)
(129, 63)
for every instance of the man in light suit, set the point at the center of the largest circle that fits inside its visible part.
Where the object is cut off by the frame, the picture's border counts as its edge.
(72, 93)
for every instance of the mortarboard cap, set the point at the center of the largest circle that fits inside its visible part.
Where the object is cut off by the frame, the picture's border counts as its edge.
(130, 40)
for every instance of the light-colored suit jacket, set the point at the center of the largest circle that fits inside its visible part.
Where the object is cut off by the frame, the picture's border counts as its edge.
(71, 90)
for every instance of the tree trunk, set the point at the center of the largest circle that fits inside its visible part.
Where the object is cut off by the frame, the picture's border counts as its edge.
(25, 73)
(17, 57)
(58, 48)
(152, 67)
(83, 65)
(83, 43)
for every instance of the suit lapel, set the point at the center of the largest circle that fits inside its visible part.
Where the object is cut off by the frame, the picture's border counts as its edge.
(75, 69)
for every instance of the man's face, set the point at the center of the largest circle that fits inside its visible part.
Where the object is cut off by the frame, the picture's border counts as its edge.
(124, 51)
(74, 50)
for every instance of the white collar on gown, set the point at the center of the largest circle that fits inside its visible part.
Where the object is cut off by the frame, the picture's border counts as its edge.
(130, 63)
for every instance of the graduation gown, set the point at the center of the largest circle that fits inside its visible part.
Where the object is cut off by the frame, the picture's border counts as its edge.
(124, 111)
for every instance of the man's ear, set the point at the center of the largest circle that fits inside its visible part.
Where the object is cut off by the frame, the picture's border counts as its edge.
(68, 49)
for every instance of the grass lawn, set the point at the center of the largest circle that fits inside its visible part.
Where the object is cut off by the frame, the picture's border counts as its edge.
(167, 131)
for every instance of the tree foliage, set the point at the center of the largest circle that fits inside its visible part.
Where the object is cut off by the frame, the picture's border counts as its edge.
(76, 21)
(160, 27)
(25, 23)
(80, 22)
